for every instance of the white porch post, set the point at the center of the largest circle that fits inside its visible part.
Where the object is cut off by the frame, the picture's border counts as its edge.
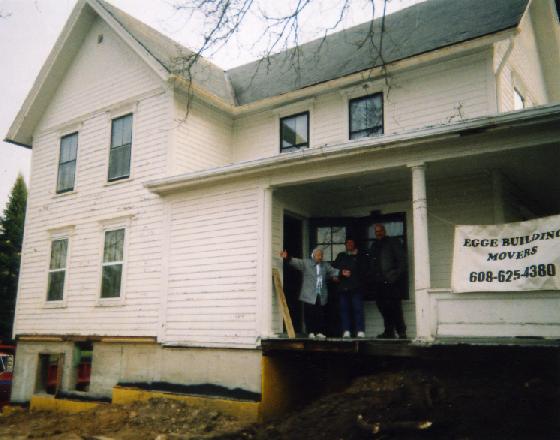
(421, 251)
(266, 261)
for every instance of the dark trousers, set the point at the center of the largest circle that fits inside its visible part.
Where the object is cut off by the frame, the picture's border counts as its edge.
(314, 317)
(351, 309)
(389, 305)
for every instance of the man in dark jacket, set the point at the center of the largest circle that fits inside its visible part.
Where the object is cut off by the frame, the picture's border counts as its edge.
(387, 268)
(351, 289)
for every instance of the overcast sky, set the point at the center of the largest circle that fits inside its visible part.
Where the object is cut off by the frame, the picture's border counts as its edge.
(29, 28)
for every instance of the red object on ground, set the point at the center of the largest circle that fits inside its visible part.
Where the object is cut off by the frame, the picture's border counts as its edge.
(6, 372)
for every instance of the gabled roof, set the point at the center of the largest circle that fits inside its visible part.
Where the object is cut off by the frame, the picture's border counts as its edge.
(418, 29)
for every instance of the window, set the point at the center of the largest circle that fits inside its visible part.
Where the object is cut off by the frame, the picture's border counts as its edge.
(331, 240)
(67, 163)
(366, 116)
(518, 100)
(57, 269)
(294, 132)
(121, 144)
(112, 266)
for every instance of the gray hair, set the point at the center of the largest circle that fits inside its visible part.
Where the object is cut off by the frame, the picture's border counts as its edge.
(315, 250)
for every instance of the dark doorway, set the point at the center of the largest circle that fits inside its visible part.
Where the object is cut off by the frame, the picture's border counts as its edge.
(293, 243)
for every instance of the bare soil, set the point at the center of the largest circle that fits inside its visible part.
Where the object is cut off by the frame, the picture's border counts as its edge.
(478, 401)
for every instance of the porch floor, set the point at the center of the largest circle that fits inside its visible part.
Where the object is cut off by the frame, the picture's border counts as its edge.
(439, 348)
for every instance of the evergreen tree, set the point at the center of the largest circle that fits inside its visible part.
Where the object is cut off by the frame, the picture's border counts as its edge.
(11, 237)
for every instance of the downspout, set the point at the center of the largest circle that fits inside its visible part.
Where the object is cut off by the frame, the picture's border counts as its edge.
(500, 68)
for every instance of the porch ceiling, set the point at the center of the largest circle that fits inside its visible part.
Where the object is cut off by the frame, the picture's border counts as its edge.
(532, 170)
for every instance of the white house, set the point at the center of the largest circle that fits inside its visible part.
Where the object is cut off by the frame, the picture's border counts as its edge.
(151, 232)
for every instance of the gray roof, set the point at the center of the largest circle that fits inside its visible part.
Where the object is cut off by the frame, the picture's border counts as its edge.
(412, 31)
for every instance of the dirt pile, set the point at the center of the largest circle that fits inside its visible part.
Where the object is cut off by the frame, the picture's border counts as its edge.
(446, 404)
(451, 402)
(169, 419)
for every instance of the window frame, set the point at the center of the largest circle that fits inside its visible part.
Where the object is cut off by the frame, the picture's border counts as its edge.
(62, 301)
(297, 146)
(59, 163)
(111, 148)
(361, 98)
(120, 297)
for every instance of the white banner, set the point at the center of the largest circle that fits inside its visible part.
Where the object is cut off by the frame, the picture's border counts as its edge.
(508, 257)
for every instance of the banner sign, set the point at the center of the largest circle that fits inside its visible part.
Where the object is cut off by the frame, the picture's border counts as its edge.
(508, 257)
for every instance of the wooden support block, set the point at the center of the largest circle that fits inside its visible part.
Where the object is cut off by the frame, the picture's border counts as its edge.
(282, 299)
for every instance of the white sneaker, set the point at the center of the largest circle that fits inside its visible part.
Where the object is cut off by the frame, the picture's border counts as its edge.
(361, 335)
(346, 334)
(321, 336)
(311, 335)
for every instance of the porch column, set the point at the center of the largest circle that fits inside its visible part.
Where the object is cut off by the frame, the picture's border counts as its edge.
(266, 262)
(421, 251)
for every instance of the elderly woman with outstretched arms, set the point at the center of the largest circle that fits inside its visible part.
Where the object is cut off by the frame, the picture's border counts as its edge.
(314, 292)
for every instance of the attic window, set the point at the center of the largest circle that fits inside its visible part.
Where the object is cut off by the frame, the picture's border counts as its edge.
(100, 39)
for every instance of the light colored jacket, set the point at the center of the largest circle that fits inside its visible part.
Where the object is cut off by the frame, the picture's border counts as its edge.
(308, 292)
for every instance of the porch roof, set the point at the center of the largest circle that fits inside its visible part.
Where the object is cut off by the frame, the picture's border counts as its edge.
(425, 135)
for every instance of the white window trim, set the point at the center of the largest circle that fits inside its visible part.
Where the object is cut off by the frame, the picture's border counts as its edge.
(61, 233)
(357, 91)
(128, 109)
(307, 105)
(113, 224)
(70, 129)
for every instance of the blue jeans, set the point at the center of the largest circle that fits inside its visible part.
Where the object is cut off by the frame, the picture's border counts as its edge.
(351, 308)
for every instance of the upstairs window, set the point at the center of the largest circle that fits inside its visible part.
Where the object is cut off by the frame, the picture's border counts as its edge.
(366, 116)
(121, 144)
(518, 100)
(294, 132)
(67, 163)
(112, 266)
(57, 269)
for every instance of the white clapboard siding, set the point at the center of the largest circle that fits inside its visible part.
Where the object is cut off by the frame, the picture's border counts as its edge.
(522, 69)
(466, 200)
(507, 314)
(101, 74)
(95, 89)
(436, 94)
(202, 136)
(213, 268)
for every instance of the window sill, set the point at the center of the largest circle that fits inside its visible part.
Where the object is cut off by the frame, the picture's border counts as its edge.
(55, 304)
(64, 194)
(110, 302)
(119, 181)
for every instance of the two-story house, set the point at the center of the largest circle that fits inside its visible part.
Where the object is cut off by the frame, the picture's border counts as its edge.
(152, 231)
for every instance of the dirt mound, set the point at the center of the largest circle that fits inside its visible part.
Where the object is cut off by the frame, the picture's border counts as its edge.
(141, 420)
(446, 404)
(403, 401)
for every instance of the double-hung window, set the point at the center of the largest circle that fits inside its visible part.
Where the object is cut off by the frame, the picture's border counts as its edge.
(366, 116)
(113, 261)
(121, 145)
(57, 269)
(294, 132)
(67, 163)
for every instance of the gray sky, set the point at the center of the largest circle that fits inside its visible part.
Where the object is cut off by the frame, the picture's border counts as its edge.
(29, 28)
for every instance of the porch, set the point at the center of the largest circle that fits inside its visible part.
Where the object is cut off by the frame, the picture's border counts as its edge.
(497, 174)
